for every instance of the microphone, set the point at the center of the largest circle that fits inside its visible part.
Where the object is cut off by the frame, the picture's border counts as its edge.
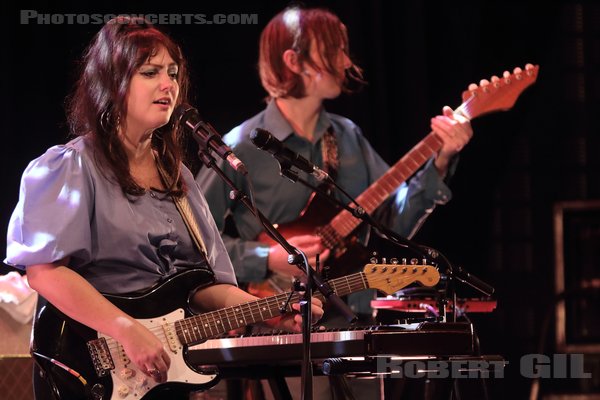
(265, 141)
(207, 136)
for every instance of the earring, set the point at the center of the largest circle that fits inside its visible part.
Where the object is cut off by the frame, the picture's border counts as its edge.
(106, 120)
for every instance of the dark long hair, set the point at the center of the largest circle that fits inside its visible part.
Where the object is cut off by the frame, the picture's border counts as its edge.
(293, 29)
(99, 101)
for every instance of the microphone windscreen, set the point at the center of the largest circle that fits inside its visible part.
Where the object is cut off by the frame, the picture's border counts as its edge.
(182, 110)
(261, 138)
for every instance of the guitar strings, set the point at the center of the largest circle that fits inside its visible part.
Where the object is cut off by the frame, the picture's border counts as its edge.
(353, 281)
(344, 223)
(202, 319)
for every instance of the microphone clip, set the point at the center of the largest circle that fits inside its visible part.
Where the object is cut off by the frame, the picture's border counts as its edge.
(207, 137)
(287, 158)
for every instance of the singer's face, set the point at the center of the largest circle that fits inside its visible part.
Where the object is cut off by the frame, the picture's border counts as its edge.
(152, 93)
(318, 81)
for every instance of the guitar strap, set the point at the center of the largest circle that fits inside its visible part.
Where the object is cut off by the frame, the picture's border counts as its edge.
(183, 205)
(184, 208)
(329, 150)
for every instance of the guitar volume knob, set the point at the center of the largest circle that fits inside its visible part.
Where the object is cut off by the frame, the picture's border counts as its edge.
(127, 373)
(123, 391)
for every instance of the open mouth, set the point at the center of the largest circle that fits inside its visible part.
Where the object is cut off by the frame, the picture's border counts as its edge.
(165, 102)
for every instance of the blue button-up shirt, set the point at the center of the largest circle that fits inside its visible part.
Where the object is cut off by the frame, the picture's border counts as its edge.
(281, 200)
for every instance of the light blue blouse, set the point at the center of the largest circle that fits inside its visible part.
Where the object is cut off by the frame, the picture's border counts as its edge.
(68, 207)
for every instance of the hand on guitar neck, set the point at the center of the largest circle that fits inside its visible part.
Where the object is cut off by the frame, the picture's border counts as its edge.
(291, 322)
(455, 131)
(311, 246)
(454, 128)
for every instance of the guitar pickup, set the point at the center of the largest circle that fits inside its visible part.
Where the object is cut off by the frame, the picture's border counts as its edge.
(101, 357)
(171, 336)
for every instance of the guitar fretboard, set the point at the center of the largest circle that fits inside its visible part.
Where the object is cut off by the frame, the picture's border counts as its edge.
(201, 327)
(344, 222)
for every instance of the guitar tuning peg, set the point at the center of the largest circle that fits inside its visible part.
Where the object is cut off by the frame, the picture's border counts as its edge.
(373, 260)
(414, 261)
(394, 260)
(404, 261)
(424, 261)
(529, 69)
(384, 260)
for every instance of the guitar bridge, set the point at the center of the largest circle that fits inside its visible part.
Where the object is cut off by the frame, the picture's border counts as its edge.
(101, 358)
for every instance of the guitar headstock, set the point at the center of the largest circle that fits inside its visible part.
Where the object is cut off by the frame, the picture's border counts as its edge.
(389, 278)
(497, 94)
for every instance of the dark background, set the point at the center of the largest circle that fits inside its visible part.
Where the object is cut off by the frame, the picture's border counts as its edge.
(418, 56)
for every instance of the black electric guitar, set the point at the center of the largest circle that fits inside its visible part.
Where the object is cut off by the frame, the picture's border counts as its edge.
(79, 363)
(336, 227)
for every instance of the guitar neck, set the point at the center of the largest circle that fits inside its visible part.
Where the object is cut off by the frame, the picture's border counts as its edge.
(195, 329)
(500, 95)
(344, 223)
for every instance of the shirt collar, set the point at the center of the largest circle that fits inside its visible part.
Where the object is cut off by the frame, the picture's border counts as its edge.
(278, 126)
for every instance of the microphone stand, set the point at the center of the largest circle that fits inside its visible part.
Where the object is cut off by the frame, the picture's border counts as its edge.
(295, 257)
(423, 251)
(357, 212)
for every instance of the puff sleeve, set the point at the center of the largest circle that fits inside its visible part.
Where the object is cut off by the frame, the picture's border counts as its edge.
(52, 217)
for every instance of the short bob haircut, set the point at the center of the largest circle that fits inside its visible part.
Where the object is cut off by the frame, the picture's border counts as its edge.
(294, 28)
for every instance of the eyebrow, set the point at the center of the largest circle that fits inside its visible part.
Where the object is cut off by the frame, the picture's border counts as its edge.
(160, 65)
